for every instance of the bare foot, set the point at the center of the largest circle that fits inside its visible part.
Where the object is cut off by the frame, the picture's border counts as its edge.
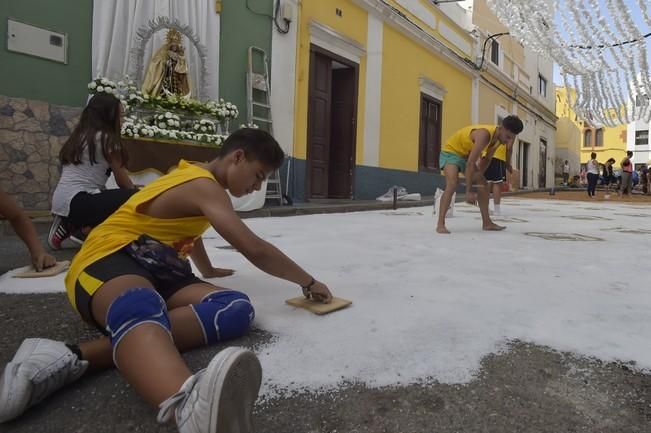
(493, 227)
(442, 230)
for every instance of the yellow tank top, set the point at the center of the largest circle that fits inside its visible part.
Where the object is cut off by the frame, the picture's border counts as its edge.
(127, 224)
(460, 142)
(500, 152)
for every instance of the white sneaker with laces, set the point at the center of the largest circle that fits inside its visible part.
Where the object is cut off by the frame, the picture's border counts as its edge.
(39, 367)
(219, 398)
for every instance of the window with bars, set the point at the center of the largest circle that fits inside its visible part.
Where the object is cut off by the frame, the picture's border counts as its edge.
(642, 137)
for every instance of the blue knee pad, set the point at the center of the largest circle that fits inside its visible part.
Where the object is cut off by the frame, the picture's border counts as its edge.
(224, 314)
(132, 308)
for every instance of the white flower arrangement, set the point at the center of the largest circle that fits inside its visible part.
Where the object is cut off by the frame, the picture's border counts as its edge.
(174, 116)
(167, 120)
(102, 85)
(133, 128)
(204, 126)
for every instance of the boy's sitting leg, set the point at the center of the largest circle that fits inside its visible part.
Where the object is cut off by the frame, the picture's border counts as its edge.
(221, 395)
(226, 314)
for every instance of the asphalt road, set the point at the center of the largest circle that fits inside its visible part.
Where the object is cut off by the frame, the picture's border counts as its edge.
(526, 389)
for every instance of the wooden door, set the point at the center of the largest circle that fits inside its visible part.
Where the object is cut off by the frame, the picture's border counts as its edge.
(542, 167)
(318, 125)
(342, 135)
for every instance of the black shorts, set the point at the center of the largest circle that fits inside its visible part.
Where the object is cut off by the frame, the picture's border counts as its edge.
(496, 171)
(90, 210)
(116, 265)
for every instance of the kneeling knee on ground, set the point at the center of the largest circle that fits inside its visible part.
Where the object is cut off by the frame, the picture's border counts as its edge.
(224, 315)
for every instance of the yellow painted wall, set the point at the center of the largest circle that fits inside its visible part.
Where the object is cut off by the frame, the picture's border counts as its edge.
(569, 133)
(568, 129)
(614, 146)
(440, 17)
(353, 24)
(404, 62)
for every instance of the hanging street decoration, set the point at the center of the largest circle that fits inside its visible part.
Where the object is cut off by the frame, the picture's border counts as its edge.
(601, 46)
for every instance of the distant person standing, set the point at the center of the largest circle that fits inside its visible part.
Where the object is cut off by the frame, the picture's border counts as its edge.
(644, 178)
(627, 175)
(609, 176)
(593, 174)
(566, 172)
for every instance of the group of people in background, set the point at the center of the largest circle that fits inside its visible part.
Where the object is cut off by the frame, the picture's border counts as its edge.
(593, 171)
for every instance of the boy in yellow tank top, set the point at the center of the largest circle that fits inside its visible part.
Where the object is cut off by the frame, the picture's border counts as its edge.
(462, 153)
(132, 280)
(495, 173)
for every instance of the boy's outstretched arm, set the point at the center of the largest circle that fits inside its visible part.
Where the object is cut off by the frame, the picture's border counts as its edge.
(25, 229)
(216, 206)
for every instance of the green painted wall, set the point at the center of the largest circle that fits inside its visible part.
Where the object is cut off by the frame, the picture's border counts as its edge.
(241, 28)
(30, 77)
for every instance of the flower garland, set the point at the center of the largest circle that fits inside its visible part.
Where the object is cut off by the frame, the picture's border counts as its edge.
(132, 127)
(167, 122)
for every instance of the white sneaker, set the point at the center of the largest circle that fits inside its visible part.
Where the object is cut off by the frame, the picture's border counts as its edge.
(39, 367)
(219, 398)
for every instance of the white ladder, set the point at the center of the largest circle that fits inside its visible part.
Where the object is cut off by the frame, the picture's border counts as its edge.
(258, 98)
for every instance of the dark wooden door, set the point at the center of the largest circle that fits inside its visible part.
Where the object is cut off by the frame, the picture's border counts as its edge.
(318, 125)
(430, 133)
(524, 155)
(542, 173)
(342, 133)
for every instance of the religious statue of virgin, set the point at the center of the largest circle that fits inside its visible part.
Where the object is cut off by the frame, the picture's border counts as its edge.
(167, 72)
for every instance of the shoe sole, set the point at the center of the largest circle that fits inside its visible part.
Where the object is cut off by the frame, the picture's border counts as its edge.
(11, 385)
(10, 388)
(235, 378)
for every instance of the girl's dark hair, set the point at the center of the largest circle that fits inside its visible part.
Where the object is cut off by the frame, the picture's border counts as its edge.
(102, 114)
(593, 155)
(258, 145)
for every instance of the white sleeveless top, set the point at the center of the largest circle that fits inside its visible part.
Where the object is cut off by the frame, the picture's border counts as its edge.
(593, 167)
(82, 177)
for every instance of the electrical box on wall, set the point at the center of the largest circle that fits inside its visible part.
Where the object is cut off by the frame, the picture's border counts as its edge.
(37, 41)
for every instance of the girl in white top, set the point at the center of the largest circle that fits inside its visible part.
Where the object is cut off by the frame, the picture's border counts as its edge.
(593, 174)
(92, 152)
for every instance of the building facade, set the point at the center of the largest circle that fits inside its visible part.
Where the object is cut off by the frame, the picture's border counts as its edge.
(637, 141)
(378, 86)
(515, 80)
(577, 138)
